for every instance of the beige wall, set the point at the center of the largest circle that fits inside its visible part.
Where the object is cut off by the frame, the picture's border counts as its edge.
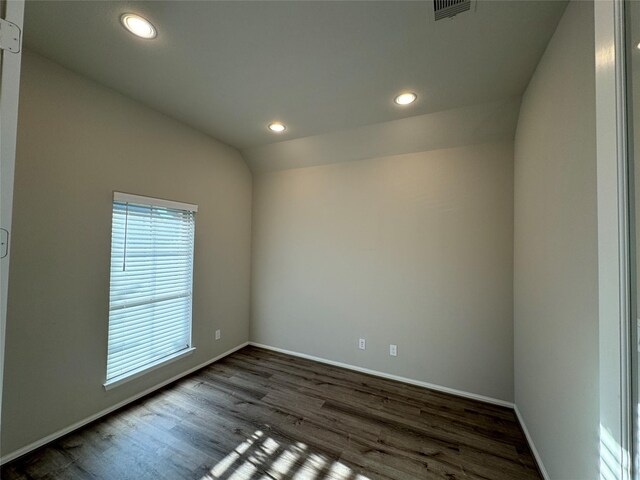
(414, 250)
(77, 143)
(555, 283)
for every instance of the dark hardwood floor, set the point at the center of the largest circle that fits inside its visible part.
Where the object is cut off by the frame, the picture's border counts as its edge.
(263, 415)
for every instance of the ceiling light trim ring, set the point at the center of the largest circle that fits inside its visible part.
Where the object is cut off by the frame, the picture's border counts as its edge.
(139, 26)
(405, 98)
(277, 127)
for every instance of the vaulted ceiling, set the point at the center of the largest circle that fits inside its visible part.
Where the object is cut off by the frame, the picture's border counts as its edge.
(229, 68)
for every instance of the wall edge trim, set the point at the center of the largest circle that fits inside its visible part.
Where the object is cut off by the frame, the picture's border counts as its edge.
(532, 446)
(389, 376)
(64, 431)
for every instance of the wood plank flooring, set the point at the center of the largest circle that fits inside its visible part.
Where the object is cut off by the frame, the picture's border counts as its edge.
(262, 415)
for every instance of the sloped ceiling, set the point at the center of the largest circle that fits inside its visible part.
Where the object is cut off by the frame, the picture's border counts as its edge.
(487, 122)
(229, 68)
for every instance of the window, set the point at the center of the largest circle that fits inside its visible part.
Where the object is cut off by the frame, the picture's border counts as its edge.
(151, 284)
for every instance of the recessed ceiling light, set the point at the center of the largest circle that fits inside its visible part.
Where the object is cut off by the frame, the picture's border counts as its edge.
(638, 46)
(406, 98)
(140, 27)
(277, 127)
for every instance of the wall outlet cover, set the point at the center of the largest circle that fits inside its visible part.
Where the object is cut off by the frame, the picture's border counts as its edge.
(393, 350)
(217, 334)
(362, 344)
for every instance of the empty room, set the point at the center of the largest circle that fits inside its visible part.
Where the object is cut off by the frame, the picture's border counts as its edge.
(341, 240)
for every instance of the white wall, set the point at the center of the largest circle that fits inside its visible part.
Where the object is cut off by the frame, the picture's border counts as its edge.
(555, 281)
(413, 249)
(77, 143)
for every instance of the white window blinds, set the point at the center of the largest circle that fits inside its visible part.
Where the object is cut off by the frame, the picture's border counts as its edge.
(151, 283)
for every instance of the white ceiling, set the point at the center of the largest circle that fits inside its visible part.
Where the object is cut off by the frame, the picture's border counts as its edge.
(229, 68)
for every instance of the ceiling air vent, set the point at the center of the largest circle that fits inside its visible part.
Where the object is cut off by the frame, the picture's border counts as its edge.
(450, 8)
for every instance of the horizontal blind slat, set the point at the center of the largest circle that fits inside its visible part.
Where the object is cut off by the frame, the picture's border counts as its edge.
(141, 318)
(135, 351)
(146, 300)
(141, 355)
(147, 360)
(146, 335)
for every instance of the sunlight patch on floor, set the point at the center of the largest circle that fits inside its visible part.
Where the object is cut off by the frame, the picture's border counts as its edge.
(230, 459)
(262, 457)
(285, 461)
(312, 466)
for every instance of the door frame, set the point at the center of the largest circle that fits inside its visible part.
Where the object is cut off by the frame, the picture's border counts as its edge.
(12, 11)
(615, 380)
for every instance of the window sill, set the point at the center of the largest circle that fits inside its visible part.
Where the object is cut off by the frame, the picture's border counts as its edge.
(119, 380)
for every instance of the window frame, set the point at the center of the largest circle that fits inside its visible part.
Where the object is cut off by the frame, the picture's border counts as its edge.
(140, 200)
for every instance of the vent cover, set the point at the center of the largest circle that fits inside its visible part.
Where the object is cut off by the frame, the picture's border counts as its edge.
(450, 8)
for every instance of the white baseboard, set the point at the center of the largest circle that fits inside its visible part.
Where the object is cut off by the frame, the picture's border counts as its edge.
(419, 383)
(81, 423)
(532, 445)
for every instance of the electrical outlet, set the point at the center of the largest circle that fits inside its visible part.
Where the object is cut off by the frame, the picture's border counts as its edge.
(362, 344)
(393, 350)
(217, 334)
